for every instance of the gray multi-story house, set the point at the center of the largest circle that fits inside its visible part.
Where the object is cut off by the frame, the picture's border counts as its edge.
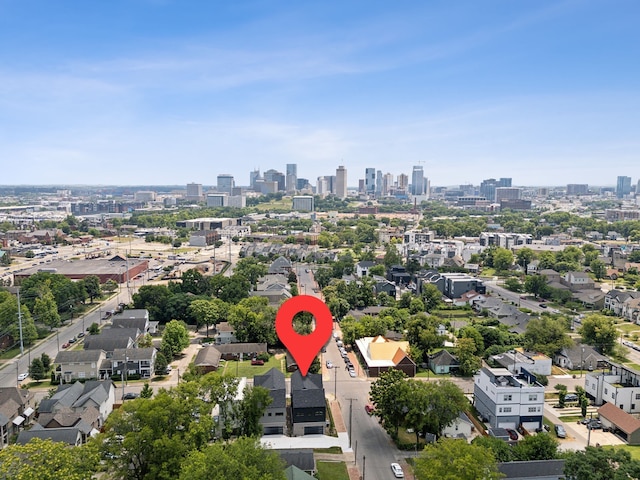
(274, 420)
(507, 400)
(308, 405)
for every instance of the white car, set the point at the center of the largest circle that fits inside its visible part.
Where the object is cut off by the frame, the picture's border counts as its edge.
(329, 364)
(397, 470)
(22, 376)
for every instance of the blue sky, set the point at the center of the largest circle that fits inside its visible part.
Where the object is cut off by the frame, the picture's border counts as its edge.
(169, 92)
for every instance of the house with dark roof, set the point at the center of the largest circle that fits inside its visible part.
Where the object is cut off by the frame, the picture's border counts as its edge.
(308, 404)
(621, 423)
(233, 351)
(207, 359)
(274, 419)
(111, 339)
(443, 362)
(79, 396)
(70, 436)
(362, 268)
(614, 300)
(580, 354)
(133, 318)
(225, 333)
(280, 265)
(300, 458)
(15, 412)
(533, 470)
(136, 361)
(72, 365)
(86, 420)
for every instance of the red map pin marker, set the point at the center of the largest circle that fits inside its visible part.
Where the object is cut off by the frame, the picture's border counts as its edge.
(304, 348)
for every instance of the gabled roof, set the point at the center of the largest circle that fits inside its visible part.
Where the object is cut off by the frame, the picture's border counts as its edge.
(302, 458)
(443, 359)
(294, 473)
(279, 265)
(77, 395)
(70, 436)
(273, 381)
(621, 419)
(307, 392)
(78, 356)
(133, 354)
(226, 348)
(208, 357)
(533, 469)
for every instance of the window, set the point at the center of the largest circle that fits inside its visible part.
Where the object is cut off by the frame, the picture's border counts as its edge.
(507, 409)
(279, 414)
(508, 398)
(533, 409)
(93, 364)
(606, 391)
(637, 396)
(269, 414)
(533, 397)
(81, 375)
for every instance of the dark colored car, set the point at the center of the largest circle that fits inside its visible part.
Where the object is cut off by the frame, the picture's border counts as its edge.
(257, 361)
(542, 305)
(513, 435)
(130, 396)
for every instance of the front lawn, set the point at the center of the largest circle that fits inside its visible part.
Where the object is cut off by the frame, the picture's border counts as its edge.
(245, 369)
(332, 471)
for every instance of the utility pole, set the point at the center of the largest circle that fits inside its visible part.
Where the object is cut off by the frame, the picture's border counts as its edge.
(364, 459)
(20, 324)
(350, 418)
(335, 382)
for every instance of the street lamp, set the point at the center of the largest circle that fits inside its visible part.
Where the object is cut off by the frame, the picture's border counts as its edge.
(581, 361)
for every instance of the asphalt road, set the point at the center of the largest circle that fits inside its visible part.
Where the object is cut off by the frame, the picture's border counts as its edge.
(372, 446)
(516, 298)
(51, 346)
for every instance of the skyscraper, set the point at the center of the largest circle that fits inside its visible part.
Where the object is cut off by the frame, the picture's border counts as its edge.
(254, 176)
(623, 187)
(225, 183)
(370, 181)
(341, 182)
(275, 176)
(417, 181)
(194, 192)
(379, 188)
(488, 189)
(291, 177)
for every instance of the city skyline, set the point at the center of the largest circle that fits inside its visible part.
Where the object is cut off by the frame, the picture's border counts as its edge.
(161, 92)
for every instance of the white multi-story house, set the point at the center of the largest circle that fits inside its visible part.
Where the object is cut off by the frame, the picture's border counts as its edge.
(507, 400)
(619, 385)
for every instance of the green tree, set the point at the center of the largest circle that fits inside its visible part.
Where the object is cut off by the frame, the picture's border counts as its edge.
(175, 338)
(449, 459)
(46, 309)
(600, 331)
(594, 463)
(146, 391)
(36, 370)
(547, 335)
(244, 458)
(501, 450)
(205, 312)
(146, 341)
(91, 284)
(251, 269)
(110, 286)
(502, 259)
(536, 447)
(392, 256)
(513, 284)
(194, 282)
(524, 257)
(251, 408)
(46, 362)
(94, 329)
(598, 268)
(47, 460)
(431, 296)
(389, 395)
(470, 363)
(536, 285)
(161, 364)
(9, 314)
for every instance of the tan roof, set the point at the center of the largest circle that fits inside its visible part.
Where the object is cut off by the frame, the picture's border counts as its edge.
(621, 419)
(383, 349)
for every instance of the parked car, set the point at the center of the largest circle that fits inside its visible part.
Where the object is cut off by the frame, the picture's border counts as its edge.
(560, 431)
(369, 409)
(130, 396)
(22, 376)
(513, 435)
(81, 334)
(73, 340)
(329, 364)
(352, 373)
(397, 470)
(66, 345)
(257, 361)
(571, 397)
(542, 305)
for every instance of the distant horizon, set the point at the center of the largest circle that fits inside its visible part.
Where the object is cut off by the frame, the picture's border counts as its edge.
(175, 92)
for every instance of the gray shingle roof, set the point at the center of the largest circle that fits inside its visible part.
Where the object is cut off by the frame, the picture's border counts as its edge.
(78, 356)
(307, 391)
(70, 436)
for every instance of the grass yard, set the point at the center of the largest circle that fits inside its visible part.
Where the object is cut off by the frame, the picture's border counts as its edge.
(405, 437)
(628, 328)
(245, 369)
(634, 450)
(328, 450)
(332, 470)
(635, 366)
(284, 204)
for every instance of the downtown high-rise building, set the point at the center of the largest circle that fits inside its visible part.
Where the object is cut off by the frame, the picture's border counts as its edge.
(291, 178)
(341, 182)
(194, 192)
(623, 186)
(225, 183)
(418, 182)
(488, 187)
(370, 181)
(379, 182)
(577, 189)
(272, 175)
(254, 176)
(403, 181)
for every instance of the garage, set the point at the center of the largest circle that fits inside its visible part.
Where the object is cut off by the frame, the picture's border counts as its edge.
(314, 430)
(507, 425)
(273, 431)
